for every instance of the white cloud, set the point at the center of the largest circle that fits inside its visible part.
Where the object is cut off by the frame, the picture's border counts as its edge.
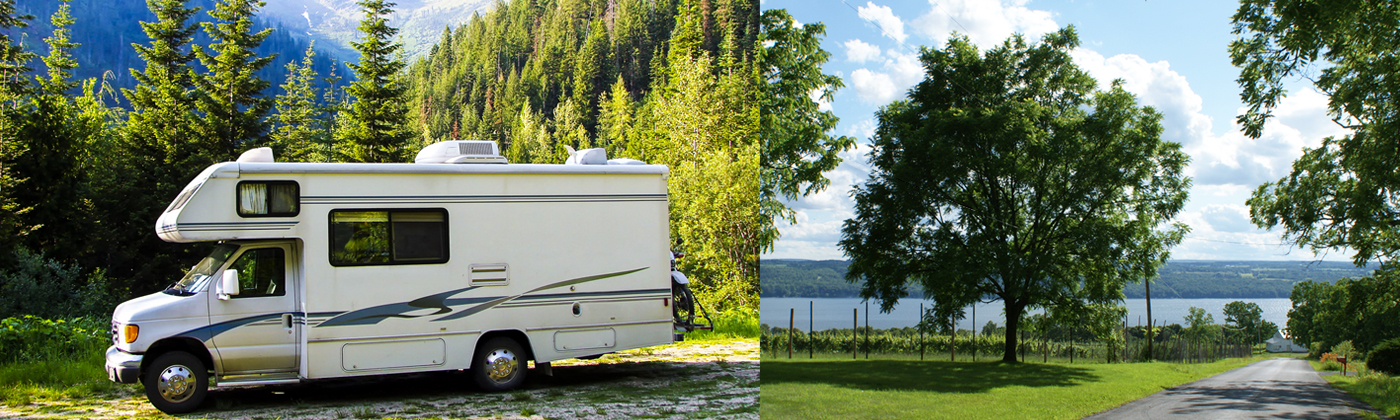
(899, 72)
(860, 52)
(890, 25)
(873, 87)
(1232, 218)
(986, 23)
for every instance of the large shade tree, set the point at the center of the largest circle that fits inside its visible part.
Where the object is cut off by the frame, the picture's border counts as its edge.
(1007, 175)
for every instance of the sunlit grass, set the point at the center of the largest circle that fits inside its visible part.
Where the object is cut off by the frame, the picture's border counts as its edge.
(885, 388)
(53, 379)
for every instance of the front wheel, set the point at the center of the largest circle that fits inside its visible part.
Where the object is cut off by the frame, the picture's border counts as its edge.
(499, 365)
(176, 382)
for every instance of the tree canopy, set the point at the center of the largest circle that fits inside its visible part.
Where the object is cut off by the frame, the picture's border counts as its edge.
(1342, 193)
(797, 144)
(1247, 321)
(1007, 175)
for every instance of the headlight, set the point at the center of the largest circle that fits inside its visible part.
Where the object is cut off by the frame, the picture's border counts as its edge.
(129, 333)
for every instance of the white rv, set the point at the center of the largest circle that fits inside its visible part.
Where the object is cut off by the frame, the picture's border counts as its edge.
(457, 261)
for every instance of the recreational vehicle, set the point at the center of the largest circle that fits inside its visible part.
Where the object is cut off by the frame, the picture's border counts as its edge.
(459, 261)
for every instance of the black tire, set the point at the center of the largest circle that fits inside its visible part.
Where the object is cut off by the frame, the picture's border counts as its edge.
(176, 382)
(499, 365)
(682, 306)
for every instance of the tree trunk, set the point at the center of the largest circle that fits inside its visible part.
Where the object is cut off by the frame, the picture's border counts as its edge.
(1013, 322)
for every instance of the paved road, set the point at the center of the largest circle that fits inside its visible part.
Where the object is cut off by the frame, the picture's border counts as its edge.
(1275, 389)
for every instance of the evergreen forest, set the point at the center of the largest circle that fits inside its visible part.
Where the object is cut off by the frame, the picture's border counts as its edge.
(94, 144)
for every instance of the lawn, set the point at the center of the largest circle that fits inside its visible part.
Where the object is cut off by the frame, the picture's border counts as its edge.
(1379, 390)
(835, 388)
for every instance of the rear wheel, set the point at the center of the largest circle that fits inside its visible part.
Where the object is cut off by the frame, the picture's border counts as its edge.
(499, 365)
(682, 306)
(176, 382)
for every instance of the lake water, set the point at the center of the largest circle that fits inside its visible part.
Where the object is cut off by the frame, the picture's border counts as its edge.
(836, 312)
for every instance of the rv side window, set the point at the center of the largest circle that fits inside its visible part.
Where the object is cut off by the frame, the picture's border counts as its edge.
(261, 272)
(378, 237)
(268, 199)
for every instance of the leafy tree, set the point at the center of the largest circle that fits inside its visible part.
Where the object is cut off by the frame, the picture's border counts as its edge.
(1197, 323)
(298, 132)
(230, 93)
(797, 144)
(372, 128)
(1007, 176)
(1339, 194)
(1248, 320)
(1361, 310)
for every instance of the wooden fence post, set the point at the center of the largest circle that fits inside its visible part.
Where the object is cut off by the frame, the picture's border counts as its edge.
(921, 331)
(791, 312)
(811, 345)
(855, 329)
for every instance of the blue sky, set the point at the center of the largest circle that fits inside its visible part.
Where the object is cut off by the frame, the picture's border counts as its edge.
(1172, 54)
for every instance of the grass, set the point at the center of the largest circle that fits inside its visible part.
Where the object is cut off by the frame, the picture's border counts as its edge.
(52, 379)
(732, 323)
(1379, 390)
(834, 388)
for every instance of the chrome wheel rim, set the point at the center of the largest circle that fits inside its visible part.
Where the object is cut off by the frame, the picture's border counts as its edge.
(501, 365)
(176, 383)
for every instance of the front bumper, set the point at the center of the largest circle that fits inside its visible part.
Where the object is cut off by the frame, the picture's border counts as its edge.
(123, 367)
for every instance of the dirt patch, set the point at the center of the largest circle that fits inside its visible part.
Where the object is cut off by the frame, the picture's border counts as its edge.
(710, 379)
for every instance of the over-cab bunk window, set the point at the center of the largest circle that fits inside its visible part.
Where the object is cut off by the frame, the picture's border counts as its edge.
(268, 199)
(379, 237)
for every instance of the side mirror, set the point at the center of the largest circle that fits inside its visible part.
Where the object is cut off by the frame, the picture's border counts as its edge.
(228, 284)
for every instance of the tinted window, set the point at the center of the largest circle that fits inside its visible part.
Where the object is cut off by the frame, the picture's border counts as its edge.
(388, 237)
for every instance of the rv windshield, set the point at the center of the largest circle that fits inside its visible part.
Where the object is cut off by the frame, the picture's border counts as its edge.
(201, 272)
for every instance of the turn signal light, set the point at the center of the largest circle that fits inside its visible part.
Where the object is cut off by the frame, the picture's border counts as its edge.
(129, 333)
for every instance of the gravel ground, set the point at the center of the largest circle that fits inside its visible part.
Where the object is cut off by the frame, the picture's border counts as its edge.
(709, 379)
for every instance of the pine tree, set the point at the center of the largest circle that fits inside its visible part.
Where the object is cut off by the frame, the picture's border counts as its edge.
(615, 119)
(159, 150)
(48, 170)
(14, 85)
(299, 134)
(372, 129)
(230, 94)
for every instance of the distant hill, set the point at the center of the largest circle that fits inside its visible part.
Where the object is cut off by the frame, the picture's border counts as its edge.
(1187, 279)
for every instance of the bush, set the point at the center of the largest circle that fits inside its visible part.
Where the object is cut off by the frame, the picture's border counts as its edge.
(32, 338)
(1385, 357)
(1345, 349)
(38, 286)
(1315, 350)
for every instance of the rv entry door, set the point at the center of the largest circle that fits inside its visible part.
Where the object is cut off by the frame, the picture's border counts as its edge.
(255, 328)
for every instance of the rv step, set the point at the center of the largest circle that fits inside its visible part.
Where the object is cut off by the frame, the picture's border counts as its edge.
(257, 382)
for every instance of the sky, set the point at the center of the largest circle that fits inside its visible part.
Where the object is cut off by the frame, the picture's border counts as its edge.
(1172, 54)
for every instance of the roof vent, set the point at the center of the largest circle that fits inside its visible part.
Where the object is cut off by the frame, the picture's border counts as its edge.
(461, 151)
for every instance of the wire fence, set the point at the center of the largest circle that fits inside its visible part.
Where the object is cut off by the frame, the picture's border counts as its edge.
(1059, 344)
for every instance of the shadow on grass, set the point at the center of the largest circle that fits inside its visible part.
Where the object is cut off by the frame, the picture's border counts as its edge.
(949, 377)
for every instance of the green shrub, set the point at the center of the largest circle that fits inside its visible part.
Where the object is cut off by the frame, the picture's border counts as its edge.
(32, 338)
(38, 286)
(1345, 349)
(740, 322)
(1385, 357)
(1331, 365)
(1315, 350)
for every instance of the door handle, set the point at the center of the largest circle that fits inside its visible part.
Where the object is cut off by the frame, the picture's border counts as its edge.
(287, 322)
